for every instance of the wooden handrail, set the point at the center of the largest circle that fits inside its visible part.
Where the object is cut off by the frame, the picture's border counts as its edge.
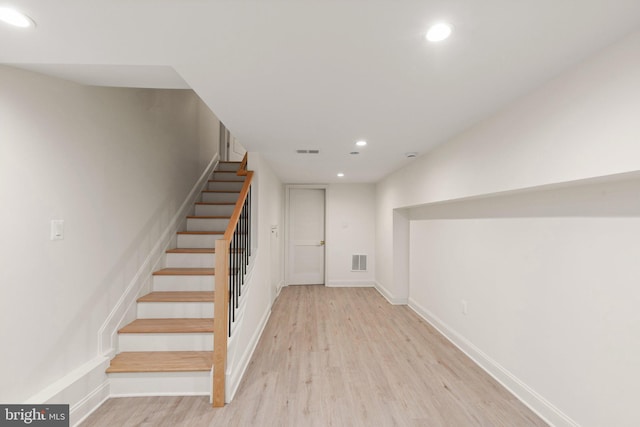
(242, 170)
(237, 210)
(222, 296)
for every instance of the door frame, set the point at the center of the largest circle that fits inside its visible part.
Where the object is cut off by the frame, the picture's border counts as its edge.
(287, 222)
(224, 139)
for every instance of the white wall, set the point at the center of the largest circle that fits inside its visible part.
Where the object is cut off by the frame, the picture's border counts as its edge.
(580, 125)
(116, 165)
(350, 229)
(208, 135)
(266, 272)
(541, 285)
(236, 150)
(550, 295)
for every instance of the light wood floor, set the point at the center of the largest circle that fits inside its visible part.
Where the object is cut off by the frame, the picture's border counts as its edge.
(341, 357)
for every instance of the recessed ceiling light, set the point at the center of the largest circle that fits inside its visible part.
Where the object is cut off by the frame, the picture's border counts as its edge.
(15, 18)
(361, 143)
(340, 174)
(439, 32)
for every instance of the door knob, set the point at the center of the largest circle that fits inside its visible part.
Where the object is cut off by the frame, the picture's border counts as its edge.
(321, 242)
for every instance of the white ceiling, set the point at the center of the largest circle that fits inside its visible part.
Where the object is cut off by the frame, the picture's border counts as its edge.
(312, 74)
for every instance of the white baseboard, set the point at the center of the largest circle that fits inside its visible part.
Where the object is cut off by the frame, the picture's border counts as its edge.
(125, 306)
(538, 404)
(350, 284)
(80, 411)
(387, 295)
(138, 384)
(84, 389)
(279, 287)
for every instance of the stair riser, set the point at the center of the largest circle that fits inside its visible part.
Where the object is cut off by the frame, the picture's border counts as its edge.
(228, 166)
(183, 283)
(197, 240)
(220, 197)
(226, 176)
(190, 260)
(165, 342)
(214, 210)
(225, 186)
(168, 310)
(214, 224)
(160, 383)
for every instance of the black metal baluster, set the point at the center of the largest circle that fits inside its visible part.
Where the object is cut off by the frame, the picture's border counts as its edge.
(229, 286)
(249, 221)
(239, 254)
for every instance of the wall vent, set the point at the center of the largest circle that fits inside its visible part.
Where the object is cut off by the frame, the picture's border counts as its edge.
(358, 263)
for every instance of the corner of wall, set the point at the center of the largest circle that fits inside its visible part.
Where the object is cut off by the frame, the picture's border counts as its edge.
(518, 388)
(84, 389)
(388, 296)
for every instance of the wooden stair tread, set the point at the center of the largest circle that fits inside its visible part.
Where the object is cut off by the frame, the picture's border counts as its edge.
(191, 251)
(223, 180)
(178, 296)
(185, 272)
(168, 326)
(161, 361)
(207, 217)
(201, 232)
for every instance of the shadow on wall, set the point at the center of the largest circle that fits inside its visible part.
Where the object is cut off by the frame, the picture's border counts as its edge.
(615, 196)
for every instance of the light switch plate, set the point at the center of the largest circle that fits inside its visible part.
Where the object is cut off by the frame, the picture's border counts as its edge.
(57, 229)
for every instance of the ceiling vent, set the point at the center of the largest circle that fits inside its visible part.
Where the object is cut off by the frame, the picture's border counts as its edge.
(358, 263)
(308, 151)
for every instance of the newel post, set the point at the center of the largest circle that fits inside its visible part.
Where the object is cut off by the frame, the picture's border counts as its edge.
(220, 315)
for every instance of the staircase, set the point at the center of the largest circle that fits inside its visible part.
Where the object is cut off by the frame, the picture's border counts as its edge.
(168, 349)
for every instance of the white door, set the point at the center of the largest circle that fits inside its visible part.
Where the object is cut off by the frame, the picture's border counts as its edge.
(306, 236)
(276, 270)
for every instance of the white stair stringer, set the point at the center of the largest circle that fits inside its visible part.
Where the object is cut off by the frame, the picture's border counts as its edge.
(227, 176)
(160, 383)
(190, 260)
(198, 240)
(225, 185)
(207, 224)
(166, 342)
(183, 283)
(219, 196)
(166, 310)
(194, 250)
(228, 166)
(204, 209)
